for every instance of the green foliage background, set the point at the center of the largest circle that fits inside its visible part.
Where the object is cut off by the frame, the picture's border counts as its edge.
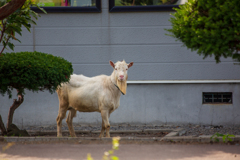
(33, 71)
(210, 27)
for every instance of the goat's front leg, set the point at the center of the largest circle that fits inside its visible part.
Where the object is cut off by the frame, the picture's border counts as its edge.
(102, 131)
(105, 123)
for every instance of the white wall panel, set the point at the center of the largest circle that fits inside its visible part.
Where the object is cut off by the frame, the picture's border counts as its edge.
(69, 20)
(102, 35)
(26, 38)
(169, 71)
(140, 19)
(138, 53)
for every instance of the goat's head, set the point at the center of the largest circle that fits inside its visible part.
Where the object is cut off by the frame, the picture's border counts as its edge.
(120, 74)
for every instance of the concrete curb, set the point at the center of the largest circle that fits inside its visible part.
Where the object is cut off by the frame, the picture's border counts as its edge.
(41, 133)
(172, 136)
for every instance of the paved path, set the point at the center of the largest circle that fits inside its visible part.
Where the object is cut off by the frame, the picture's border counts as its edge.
(61, 151)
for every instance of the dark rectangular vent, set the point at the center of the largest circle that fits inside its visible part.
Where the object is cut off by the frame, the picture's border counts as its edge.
(217, 97)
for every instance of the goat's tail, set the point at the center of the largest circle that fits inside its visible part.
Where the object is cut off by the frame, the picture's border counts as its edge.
(59, 87)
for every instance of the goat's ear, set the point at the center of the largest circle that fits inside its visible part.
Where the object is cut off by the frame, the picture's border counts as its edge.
(112, 64)
(130, 64)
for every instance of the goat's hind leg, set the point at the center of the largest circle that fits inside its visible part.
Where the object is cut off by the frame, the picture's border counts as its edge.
(61, 115)
(71, 114)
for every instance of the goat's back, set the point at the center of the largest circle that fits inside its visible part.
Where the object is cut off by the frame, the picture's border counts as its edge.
(85, 94)
(78, 80)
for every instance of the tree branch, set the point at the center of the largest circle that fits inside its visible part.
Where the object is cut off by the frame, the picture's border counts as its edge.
(2, 32)
(2, 127)
(10, 8)
(5, 45)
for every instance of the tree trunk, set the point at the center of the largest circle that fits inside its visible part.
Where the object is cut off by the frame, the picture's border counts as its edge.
(16, 104)
(10, 8)
(2, 127)
(133, 3)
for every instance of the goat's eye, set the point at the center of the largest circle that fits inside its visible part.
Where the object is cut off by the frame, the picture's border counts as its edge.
(126, 69)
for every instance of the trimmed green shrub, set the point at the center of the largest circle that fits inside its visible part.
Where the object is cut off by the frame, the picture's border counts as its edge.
(210, 27)
(33, 71)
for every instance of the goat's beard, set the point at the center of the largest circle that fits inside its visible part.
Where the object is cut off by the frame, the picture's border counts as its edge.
(122, 85)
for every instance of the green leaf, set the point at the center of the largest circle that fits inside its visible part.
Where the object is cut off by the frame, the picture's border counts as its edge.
(43, 10)
(224, 138)
(2, 2)
(231, 135)
(11, 46)
(34, 14)
(216, 139)
(17, 40)
(114, 158)
(220, 135)
(31, 21)
(4, 44)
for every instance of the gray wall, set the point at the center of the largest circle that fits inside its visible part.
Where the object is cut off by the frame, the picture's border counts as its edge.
(143, 104)
(90, 40)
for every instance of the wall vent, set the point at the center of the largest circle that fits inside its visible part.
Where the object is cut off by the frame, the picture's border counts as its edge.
(217, 97)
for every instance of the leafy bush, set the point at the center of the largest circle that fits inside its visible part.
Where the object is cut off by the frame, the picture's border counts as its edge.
(13, 24)
(225, 137)
(210, 27)
(33, 71)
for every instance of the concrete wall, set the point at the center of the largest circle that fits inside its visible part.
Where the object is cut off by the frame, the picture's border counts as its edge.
(90, 40)
(144, 104)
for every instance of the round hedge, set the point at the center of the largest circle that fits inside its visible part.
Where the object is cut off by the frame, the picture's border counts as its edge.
(33, 71)
(211, 27)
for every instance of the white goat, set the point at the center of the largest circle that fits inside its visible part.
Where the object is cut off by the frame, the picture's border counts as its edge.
(97, 94)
